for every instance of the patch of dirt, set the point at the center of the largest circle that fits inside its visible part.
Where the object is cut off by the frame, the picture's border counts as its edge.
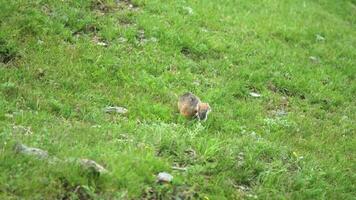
(99, 41)
(126, 21)
(191, 53)
(196, 55)
(104, 6)
(47, 10)
(140, 36)
(73, 191)
(169, 192)
(101, 6)
(285, 91)
(128, 4)
(89, 28)
(7, 53)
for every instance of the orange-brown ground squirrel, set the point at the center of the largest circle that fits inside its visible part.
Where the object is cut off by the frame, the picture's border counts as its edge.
(190, 106)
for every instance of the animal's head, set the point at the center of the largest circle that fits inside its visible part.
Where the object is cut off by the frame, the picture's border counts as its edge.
(203, 111)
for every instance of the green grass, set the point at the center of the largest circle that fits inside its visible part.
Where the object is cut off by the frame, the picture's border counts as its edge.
(55, 81)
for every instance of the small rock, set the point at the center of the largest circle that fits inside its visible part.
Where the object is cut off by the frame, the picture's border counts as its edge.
(314, 59)
(279, 112)
(153, 39)
(252, 196)
(8, 115)
(92, 165)
(96, 126)
(319, 38)
(23, 149)
(97, 40)
(243, 188)
(204, 30)
(164, 177)
(115, 109)
(254, 94)
(179, 168)
(122, 40)
(102, 44)
(196, 82)
(188, 9)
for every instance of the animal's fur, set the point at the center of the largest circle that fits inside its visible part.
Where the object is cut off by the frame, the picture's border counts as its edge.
(190, 106)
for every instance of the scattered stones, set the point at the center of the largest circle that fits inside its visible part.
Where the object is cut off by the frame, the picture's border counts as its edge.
(164, 177)
(92, 165)
(254, 94)
(115, 109)
(41, 154)
(23, 149)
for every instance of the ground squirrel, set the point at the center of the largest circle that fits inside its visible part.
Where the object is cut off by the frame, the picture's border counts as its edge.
(190, 106)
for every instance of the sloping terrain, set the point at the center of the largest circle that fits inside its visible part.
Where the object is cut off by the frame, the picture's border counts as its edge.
(279, 76)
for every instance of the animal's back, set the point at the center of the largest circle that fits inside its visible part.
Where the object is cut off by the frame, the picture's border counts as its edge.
(188, 104)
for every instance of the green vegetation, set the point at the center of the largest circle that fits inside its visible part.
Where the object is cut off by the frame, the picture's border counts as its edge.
(62, 62)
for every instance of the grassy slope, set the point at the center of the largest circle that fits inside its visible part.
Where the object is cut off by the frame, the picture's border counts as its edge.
(60, 80)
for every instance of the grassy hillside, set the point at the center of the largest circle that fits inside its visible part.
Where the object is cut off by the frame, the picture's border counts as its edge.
(62, 62)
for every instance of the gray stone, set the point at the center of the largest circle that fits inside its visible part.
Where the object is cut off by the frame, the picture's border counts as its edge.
(115, 109)
(254, 94)
(92, 165)
(314, 59)
(38, 153)
(164, 177)
(319, 38)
